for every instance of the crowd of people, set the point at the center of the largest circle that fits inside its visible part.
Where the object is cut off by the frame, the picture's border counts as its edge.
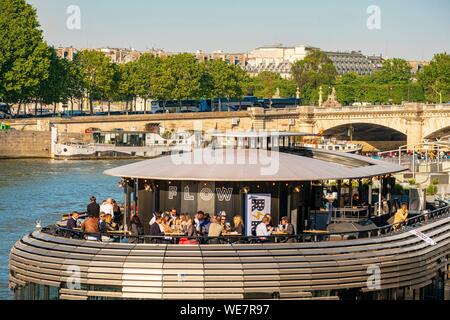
(170, 223)
(100, 219)
(429, 156)
(107, 217)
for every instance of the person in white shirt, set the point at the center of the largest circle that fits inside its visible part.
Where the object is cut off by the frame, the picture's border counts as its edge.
(156, 215)
(107, 207)
(263, 229)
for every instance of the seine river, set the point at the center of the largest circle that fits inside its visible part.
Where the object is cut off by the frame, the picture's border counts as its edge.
(42, 190)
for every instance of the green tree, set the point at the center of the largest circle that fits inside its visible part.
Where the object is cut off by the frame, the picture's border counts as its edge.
(146, 73)
(163, 82)
(98, 74)
(351, 88)
(126, 90)
(393, 71)
(53, 90)
(312, 72)
(184, 76)
(227, 80)
(265, 85)
(24, 56)
(435, 79)
(348, 88)
(74, 90)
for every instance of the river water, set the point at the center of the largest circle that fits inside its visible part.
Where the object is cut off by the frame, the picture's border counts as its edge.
(42, 190)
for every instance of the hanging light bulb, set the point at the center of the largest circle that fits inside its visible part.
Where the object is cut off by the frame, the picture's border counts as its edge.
(245, 190)
(148, 187)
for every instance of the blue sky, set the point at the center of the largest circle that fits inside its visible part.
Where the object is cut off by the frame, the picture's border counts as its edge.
(412, 29)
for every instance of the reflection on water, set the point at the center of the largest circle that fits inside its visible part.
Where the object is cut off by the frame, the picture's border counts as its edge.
(32, 190)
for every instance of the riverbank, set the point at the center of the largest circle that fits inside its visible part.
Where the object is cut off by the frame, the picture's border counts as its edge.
(25, 144)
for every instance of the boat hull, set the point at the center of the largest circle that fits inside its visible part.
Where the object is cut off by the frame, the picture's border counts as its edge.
(404, 263)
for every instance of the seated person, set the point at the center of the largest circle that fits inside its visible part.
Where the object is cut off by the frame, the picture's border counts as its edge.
(167, 222)
(155, 216)
(238, 225)
(184, 217)
(136, 229)
(216, 228)
(91, 226)
(72, 222)
(202, 224)
(223, 222)
(101, 223)
(109, 225)
(264, 229)
(117, 217)
(155, 229)
(288, 227)
(190, 228)
(401, 216)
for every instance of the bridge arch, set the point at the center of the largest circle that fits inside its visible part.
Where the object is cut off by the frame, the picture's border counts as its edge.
(440, 133)
(366, 132)
(436, 127)
(373, 137)
(390, 123)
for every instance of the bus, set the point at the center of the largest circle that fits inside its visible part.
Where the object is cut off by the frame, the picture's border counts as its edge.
(280, 103)
(226, 104)
(175, 106)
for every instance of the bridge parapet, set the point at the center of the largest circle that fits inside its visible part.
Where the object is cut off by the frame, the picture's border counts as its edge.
(416, 120)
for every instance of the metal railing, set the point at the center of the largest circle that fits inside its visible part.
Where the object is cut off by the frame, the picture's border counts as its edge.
(313, 236)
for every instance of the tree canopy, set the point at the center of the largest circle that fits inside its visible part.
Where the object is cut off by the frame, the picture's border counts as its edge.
(24, 57)
(31, 71)
(311, 73)
(265, 85)
(98, 75)
(435, 79)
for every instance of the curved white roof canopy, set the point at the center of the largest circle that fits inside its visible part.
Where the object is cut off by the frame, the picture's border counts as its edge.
(254, 165)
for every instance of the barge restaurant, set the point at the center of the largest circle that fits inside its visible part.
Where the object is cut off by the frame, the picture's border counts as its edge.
(363, 260)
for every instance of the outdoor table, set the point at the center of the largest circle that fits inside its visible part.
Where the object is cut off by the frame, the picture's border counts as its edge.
(278, 234)
(119, 232)
(173, 236)
(317, 233)
(231, 235)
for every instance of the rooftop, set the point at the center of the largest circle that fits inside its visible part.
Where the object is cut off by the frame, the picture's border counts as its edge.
(234, 165)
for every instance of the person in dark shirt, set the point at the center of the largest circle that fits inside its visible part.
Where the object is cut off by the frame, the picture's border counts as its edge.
(72, 222)
(156, 230)
(93, 208)
(238, 226)
(117, 218)
(288, 228)
(137, 229)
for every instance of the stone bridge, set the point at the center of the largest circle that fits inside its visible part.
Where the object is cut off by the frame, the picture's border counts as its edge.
(412, 121)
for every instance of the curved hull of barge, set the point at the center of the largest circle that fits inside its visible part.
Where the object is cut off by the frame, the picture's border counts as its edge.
(326, 270)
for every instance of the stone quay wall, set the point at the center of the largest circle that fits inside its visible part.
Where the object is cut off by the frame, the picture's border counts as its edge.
(25, 144)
